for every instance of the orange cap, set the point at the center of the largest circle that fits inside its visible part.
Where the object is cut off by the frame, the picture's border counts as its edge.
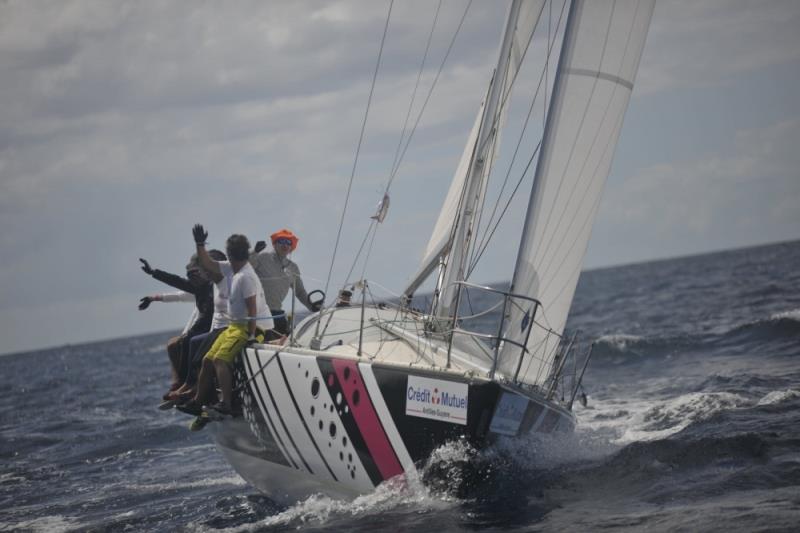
(284, 234)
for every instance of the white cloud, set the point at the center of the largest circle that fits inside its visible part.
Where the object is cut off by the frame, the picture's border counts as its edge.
(700, 44)
(123, 123)
(747, 194)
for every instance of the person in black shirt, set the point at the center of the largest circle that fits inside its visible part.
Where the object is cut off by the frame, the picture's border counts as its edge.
(197, 282)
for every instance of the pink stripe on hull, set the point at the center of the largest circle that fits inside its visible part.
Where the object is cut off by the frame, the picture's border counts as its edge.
(367, 419)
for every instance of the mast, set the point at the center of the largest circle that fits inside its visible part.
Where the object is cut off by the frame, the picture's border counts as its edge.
(455, 269)
(449, 243)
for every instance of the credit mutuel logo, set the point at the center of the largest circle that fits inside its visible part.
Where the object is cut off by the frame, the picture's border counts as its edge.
(437, 399)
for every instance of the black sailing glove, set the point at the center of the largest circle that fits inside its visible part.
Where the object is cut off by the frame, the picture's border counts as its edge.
(146, 267)
(144, 303)
(200, 234)
(260, 245)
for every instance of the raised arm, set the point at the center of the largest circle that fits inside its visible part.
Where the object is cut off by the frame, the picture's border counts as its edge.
(200, 236)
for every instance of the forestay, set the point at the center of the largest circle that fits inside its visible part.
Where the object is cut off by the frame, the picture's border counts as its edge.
(603, 43)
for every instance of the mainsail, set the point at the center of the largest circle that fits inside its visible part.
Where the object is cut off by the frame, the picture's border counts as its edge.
(600, 55)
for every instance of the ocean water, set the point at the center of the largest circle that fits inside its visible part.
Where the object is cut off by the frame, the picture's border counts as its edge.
(693, 423)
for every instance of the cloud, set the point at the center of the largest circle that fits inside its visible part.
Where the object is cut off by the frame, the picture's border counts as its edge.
(701, 44)
(123, 123)
(746, 194)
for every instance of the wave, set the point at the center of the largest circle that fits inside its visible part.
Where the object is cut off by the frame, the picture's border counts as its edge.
(648, 420)
(621, 348)
(329, 513)
(677, 453)
(784, 324)
(49, 524)
(777, 397)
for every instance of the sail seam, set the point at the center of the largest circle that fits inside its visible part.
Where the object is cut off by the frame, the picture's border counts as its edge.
(599, 75)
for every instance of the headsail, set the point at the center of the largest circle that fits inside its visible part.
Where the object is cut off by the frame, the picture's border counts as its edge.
(603, 43)
(454, 224)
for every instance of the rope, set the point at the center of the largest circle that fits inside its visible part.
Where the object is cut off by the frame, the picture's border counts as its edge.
(428, 97)
(416, 86)
(398, 159)
(358, 148)
(488, 236)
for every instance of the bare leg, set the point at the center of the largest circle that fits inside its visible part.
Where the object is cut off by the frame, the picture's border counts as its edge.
(205, 382)
(225, 379)
(174, 353)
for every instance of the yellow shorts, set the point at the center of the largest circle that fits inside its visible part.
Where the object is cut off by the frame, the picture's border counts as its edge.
(230, 342)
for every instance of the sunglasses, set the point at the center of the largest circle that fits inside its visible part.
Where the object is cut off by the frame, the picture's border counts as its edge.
(285, 242)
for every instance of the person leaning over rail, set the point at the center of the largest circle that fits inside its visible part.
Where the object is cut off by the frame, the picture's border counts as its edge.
(249, 315)
(200, 344)
(198, 285)
(278, 273)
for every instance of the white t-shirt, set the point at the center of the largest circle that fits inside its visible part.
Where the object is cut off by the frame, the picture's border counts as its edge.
(181, 296)
(221, 311)
(242, 285)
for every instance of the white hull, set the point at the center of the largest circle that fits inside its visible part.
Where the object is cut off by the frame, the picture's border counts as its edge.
(333, 422)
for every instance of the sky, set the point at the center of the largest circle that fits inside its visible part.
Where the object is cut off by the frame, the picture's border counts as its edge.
(123, 123)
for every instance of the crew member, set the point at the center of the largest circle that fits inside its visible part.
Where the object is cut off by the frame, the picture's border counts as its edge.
(250, 317)
(278, 274)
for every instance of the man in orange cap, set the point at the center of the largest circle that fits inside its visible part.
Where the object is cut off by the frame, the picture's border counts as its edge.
(278, 274)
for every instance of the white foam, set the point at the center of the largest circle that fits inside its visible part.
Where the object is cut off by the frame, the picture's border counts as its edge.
(620, 341)
(45, 524)
(779, 396)
(667, 418)
(317, 509)
(175, 485)
(793, 314)
(625, 421)
(545, 451)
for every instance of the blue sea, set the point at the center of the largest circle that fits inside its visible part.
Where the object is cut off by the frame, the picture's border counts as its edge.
(692, 424)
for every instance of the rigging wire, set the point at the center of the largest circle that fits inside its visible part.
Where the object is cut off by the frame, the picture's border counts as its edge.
(372, 225)
(416, 87)
(399, 145)
(369, 251)
(396, 166)
(488, 235)
(358, 148)
(428, 97)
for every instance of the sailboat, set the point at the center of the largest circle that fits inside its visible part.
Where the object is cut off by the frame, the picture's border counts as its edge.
(365, 392)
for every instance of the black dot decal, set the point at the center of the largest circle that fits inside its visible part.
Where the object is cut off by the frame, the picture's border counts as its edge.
(331, 408)
(312, 410)
(344, 441)
(353, 473)
(306, 373)
(315, 388)
(346, 373)
(332, 429)
(349, 457)
(321, 425)
(298, 365)
(356, 397)
(341, 456)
